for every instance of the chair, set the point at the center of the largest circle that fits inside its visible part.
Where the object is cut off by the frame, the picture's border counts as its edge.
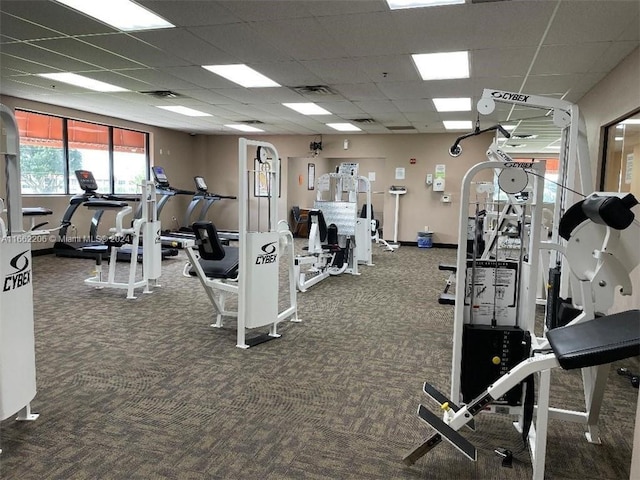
(299, 220)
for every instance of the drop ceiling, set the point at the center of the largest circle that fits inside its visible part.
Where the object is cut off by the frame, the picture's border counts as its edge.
(358, 49)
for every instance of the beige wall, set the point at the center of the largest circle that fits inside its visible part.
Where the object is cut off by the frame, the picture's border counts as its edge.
(615, 97)
(379, 153)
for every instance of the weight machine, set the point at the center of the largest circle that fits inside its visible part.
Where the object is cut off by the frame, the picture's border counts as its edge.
(492, 366)
(145, 229)
(17, 340)
(339, 238)
(250, 271)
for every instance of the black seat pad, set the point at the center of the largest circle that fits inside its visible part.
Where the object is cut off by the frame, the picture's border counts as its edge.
(596, 342)
(217, 260)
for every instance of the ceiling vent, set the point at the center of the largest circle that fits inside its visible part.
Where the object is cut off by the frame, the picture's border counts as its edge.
(314, 90)
(252, 122)
(402, 128)
(364, 121)
(523, 136)
(162, 94)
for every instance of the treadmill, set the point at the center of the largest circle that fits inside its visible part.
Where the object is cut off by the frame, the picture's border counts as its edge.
(185, 236)
(91, 247)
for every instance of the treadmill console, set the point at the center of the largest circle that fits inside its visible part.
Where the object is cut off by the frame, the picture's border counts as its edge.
(86, 180)
(160, 176)
(201, 185)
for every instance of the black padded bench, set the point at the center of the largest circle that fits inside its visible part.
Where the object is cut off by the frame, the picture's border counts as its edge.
(596, 342)
(217, 260)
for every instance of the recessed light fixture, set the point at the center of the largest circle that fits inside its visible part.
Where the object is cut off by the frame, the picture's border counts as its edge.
(631, 121)
(344, 127)
(243, 128)
(442, 66)
(399, 4)
(452, 104)
(242, 75)
(618, 139)
(121, 14)
(307, 108)
(189, 112)
(457, 124)
(84, 82)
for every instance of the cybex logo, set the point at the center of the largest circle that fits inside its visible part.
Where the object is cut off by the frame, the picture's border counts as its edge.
(269, 255)
(22, 274)
(517, 97)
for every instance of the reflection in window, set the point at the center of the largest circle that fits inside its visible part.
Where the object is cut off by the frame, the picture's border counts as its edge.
(620, 166)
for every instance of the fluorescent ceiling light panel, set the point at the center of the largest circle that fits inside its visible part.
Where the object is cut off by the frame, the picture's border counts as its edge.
(344, 127)
(631, 121)
(307, 108)
(452, 104)
(242, 75)
(84, 82)
(121, 14)
(399, 4)
(458, 124)
(244, 128)
(189, 112)
(442, 66)
(619, 139)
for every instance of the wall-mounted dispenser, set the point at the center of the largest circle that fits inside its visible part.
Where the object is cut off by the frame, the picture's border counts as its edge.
(438, 185)
(429, 179)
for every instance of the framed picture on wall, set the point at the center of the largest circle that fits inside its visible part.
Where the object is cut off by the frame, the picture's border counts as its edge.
(263, 180)
(311, 175)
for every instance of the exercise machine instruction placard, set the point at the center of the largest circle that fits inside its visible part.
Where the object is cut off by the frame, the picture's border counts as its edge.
(492, 287)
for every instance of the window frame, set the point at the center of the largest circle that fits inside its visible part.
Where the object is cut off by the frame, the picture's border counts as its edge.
(605, 130)
(65, 149)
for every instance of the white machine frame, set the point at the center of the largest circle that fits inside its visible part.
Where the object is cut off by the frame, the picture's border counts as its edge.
(574, 158)
(17, 338)
(344, 213)
(146, 230)
(260, 251)
(602, 258)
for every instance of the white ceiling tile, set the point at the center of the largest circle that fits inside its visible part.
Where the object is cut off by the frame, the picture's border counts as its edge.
(22, 30)
(592, 21)
(503, 61)
(136, 50)
(562, 59)
(86, 53)
(54, 16)
(162, 80)
(331, 8)
(377, 106)
(287, 73)
(35, 54)
(359, 91)
(388, 68)
(183, 44)
(339, 70)
(191, 13)
(301, 38)
(266, 10)
(366, 34)
(241, 42)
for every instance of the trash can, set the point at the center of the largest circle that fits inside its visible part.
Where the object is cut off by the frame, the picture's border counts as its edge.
(425, 239)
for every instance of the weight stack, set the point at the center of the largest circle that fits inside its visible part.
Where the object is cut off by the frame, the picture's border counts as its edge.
(487, 354)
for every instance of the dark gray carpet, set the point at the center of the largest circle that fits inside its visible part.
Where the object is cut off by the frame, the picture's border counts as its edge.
(145, 389)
